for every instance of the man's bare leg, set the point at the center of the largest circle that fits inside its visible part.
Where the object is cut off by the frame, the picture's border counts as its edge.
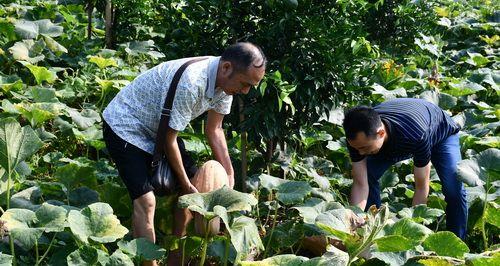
(143, 220)
(182, 217)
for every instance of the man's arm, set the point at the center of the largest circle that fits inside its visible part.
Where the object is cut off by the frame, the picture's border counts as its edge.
(359, 190)
(175, 161)
(217, 141)
(421, 175)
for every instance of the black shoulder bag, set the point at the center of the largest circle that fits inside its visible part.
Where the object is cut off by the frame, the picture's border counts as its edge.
(162, 178)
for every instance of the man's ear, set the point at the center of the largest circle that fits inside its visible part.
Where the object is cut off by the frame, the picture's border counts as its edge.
(227, 68)
(381, 132)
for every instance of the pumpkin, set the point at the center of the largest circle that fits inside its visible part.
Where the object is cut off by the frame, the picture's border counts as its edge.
(211, 176)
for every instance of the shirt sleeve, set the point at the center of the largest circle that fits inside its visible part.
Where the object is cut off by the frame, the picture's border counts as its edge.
(354, 154)
(223, 106)
(422, 155)
(182, 108)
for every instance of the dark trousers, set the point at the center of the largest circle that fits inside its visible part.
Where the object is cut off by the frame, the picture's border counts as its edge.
(444, 158)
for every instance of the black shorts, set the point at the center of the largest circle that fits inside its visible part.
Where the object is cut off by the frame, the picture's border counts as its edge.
(134, 164)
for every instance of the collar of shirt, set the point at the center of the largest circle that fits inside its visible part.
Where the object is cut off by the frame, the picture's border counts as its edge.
(213, 65)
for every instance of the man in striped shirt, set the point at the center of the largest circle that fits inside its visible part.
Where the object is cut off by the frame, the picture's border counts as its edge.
(397, 130)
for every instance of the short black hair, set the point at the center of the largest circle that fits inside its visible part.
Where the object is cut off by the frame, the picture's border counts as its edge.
(361, 119)
(243, 55)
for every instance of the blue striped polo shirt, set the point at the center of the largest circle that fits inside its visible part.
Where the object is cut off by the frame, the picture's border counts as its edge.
(414, 126)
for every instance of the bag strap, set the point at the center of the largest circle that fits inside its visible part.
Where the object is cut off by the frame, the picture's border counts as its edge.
(167, 108)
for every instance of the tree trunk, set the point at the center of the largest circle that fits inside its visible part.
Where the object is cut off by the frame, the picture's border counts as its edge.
(109, 24)
(90, 8)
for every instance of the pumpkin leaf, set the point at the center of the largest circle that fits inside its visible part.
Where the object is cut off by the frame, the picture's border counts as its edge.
(96, 222)
(16, 144)
(230, 199)
(142, 248)
(446, 243)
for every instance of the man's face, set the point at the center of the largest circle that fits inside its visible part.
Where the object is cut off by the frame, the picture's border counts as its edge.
(368, 145)
(241, 82)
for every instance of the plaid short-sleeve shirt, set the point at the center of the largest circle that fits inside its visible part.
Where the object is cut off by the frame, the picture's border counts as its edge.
(134, 113)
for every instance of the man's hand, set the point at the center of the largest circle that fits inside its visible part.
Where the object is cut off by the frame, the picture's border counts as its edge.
(421, 175)
(189, 188)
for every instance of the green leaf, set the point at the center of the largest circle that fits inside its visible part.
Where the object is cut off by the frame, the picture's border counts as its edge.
(28, 50)
(84, 119)
(19, 223)
(421, 214)
(31, 29)
(142, 248)
(446, 244)
(85, 255)
(463, 88)
(293, 192)
(332, 257)
(245, 235)
(6, 259)
(16, 144)
(480, 169)
(388, 179)
(74, 175)
(42, 94)
(51, 218)
(41, 74)
(26, 29)
(230, 199)
(492, 215)
(394, 243)
(313, 207)
(338, 223)
(385, 94)
(287, 259)
(102, 62)
(402, 235)
(119, 259)
(271, 182)
(8, 83)
(96, 222)
(477, 59)
(54, 46)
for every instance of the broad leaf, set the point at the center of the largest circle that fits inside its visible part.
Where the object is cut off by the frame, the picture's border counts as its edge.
(85, 255)
(41, 74)
(142, 248)
(96, 222)
(481, 169)
(102, 62)
(31, 29)
(230, 199)
(287, 259)
(271, 182)
(446, 243)
(84, 119)
(402, 235)
(293, 192)
(119, 259)
(340, 223)
(313, 207)
(16, 144)
(28, 50)
(245, 235)
(421, 214)
(8, 83)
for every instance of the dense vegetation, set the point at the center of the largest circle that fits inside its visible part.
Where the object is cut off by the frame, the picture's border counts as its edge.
(61, 62)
